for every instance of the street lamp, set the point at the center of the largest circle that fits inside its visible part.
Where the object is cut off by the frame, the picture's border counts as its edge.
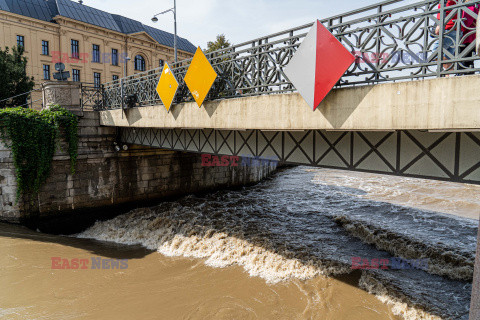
(174, 10)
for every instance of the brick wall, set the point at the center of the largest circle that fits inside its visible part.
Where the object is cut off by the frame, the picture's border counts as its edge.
(105, 178)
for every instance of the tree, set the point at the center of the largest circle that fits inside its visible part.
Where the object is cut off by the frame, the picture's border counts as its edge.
(14, 79)
(220, 43)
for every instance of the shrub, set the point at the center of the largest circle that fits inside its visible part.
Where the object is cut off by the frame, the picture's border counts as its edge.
(33, 138)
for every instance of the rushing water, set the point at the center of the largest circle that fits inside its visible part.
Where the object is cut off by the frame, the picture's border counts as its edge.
(280, 249)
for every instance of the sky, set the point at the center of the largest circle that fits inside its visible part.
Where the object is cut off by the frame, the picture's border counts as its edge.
(201, 21)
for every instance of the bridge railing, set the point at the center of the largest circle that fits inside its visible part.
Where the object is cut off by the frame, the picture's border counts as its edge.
(31, 99)
(91, 97)
(393, 41)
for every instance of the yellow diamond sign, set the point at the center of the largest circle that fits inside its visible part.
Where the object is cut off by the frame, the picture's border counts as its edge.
(167, 86)
(200, 77)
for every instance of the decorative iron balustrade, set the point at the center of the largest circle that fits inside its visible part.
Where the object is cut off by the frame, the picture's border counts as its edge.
(92, 97)
(392, 40)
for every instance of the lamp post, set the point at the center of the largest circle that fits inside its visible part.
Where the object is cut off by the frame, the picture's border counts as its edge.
(122, 83)
(174, 10)
(125, 66)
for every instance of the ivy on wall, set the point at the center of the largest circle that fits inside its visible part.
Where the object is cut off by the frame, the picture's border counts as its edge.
(33, 137)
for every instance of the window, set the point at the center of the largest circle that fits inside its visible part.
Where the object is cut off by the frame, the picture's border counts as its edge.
(21, 41)
(76, 75)
(115, 57)
(96, 53)
(75, 49)
(161, 63)
(46, 72)
(114, 77)
(45, 49)
(97, 79)
(139, 63)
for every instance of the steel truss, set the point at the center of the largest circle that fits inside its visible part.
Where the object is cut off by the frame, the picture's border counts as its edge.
(450, 156)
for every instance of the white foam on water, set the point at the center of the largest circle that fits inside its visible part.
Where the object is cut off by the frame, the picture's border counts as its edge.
(182, 238)
(398, 307)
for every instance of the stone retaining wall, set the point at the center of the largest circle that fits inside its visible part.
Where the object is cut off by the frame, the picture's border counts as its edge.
(106, 178)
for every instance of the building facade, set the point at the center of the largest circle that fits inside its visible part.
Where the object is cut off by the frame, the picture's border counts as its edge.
(93, 44)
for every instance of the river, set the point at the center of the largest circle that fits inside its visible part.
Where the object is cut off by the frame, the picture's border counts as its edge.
(281, 249)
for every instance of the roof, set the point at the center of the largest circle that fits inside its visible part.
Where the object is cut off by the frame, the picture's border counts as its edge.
(46, 10)
(3, 5)
(37, 9)
(80, 12)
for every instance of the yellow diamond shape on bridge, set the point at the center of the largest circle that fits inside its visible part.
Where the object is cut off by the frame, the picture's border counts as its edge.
(200, 77)
(167, 86)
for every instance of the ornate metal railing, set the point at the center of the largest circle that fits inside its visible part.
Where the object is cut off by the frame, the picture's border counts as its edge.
(92, 97)
(393, 41)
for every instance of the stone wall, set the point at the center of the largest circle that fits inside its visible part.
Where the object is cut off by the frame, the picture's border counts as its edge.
(106, 178)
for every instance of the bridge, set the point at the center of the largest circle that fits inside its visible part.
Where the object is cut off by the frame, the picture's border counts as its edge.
(395, 111)
(407, 106)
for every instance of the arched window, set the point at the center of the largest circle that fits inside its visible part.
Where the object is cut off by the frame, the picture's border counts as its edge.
(139, 63)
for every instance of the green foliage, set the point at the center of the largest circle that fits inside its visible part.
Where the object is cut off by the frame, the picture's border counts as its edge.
(33, 137)
(220, 43)
(14, 79)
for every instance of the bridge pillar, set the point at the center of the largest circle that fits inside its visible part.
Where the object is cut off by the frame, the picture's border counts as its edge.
(475, 302)
(63, 93)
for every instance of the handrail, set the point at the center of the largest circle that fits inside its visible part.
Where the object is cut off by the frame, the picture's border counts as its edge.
(392, 40)
(30, 103)
(21, 94)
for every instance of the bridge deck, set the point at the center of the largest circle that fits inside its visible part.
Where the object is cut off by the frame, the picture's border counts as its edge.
(443, 104)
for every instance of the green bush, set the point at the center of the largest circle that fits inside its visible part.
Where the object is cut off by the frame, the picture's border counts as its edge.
(33, 138)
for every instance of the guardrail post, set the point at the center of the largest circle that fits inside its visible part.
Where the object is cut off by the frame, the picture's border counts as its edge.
(477, 42)
(378, 46)
(102, 96)
(81, 96)
(122, 95)
(440, 39)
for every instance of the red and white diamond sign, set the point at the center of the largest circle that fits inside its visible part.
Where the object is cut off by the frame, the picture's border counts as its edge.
(320, 61)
